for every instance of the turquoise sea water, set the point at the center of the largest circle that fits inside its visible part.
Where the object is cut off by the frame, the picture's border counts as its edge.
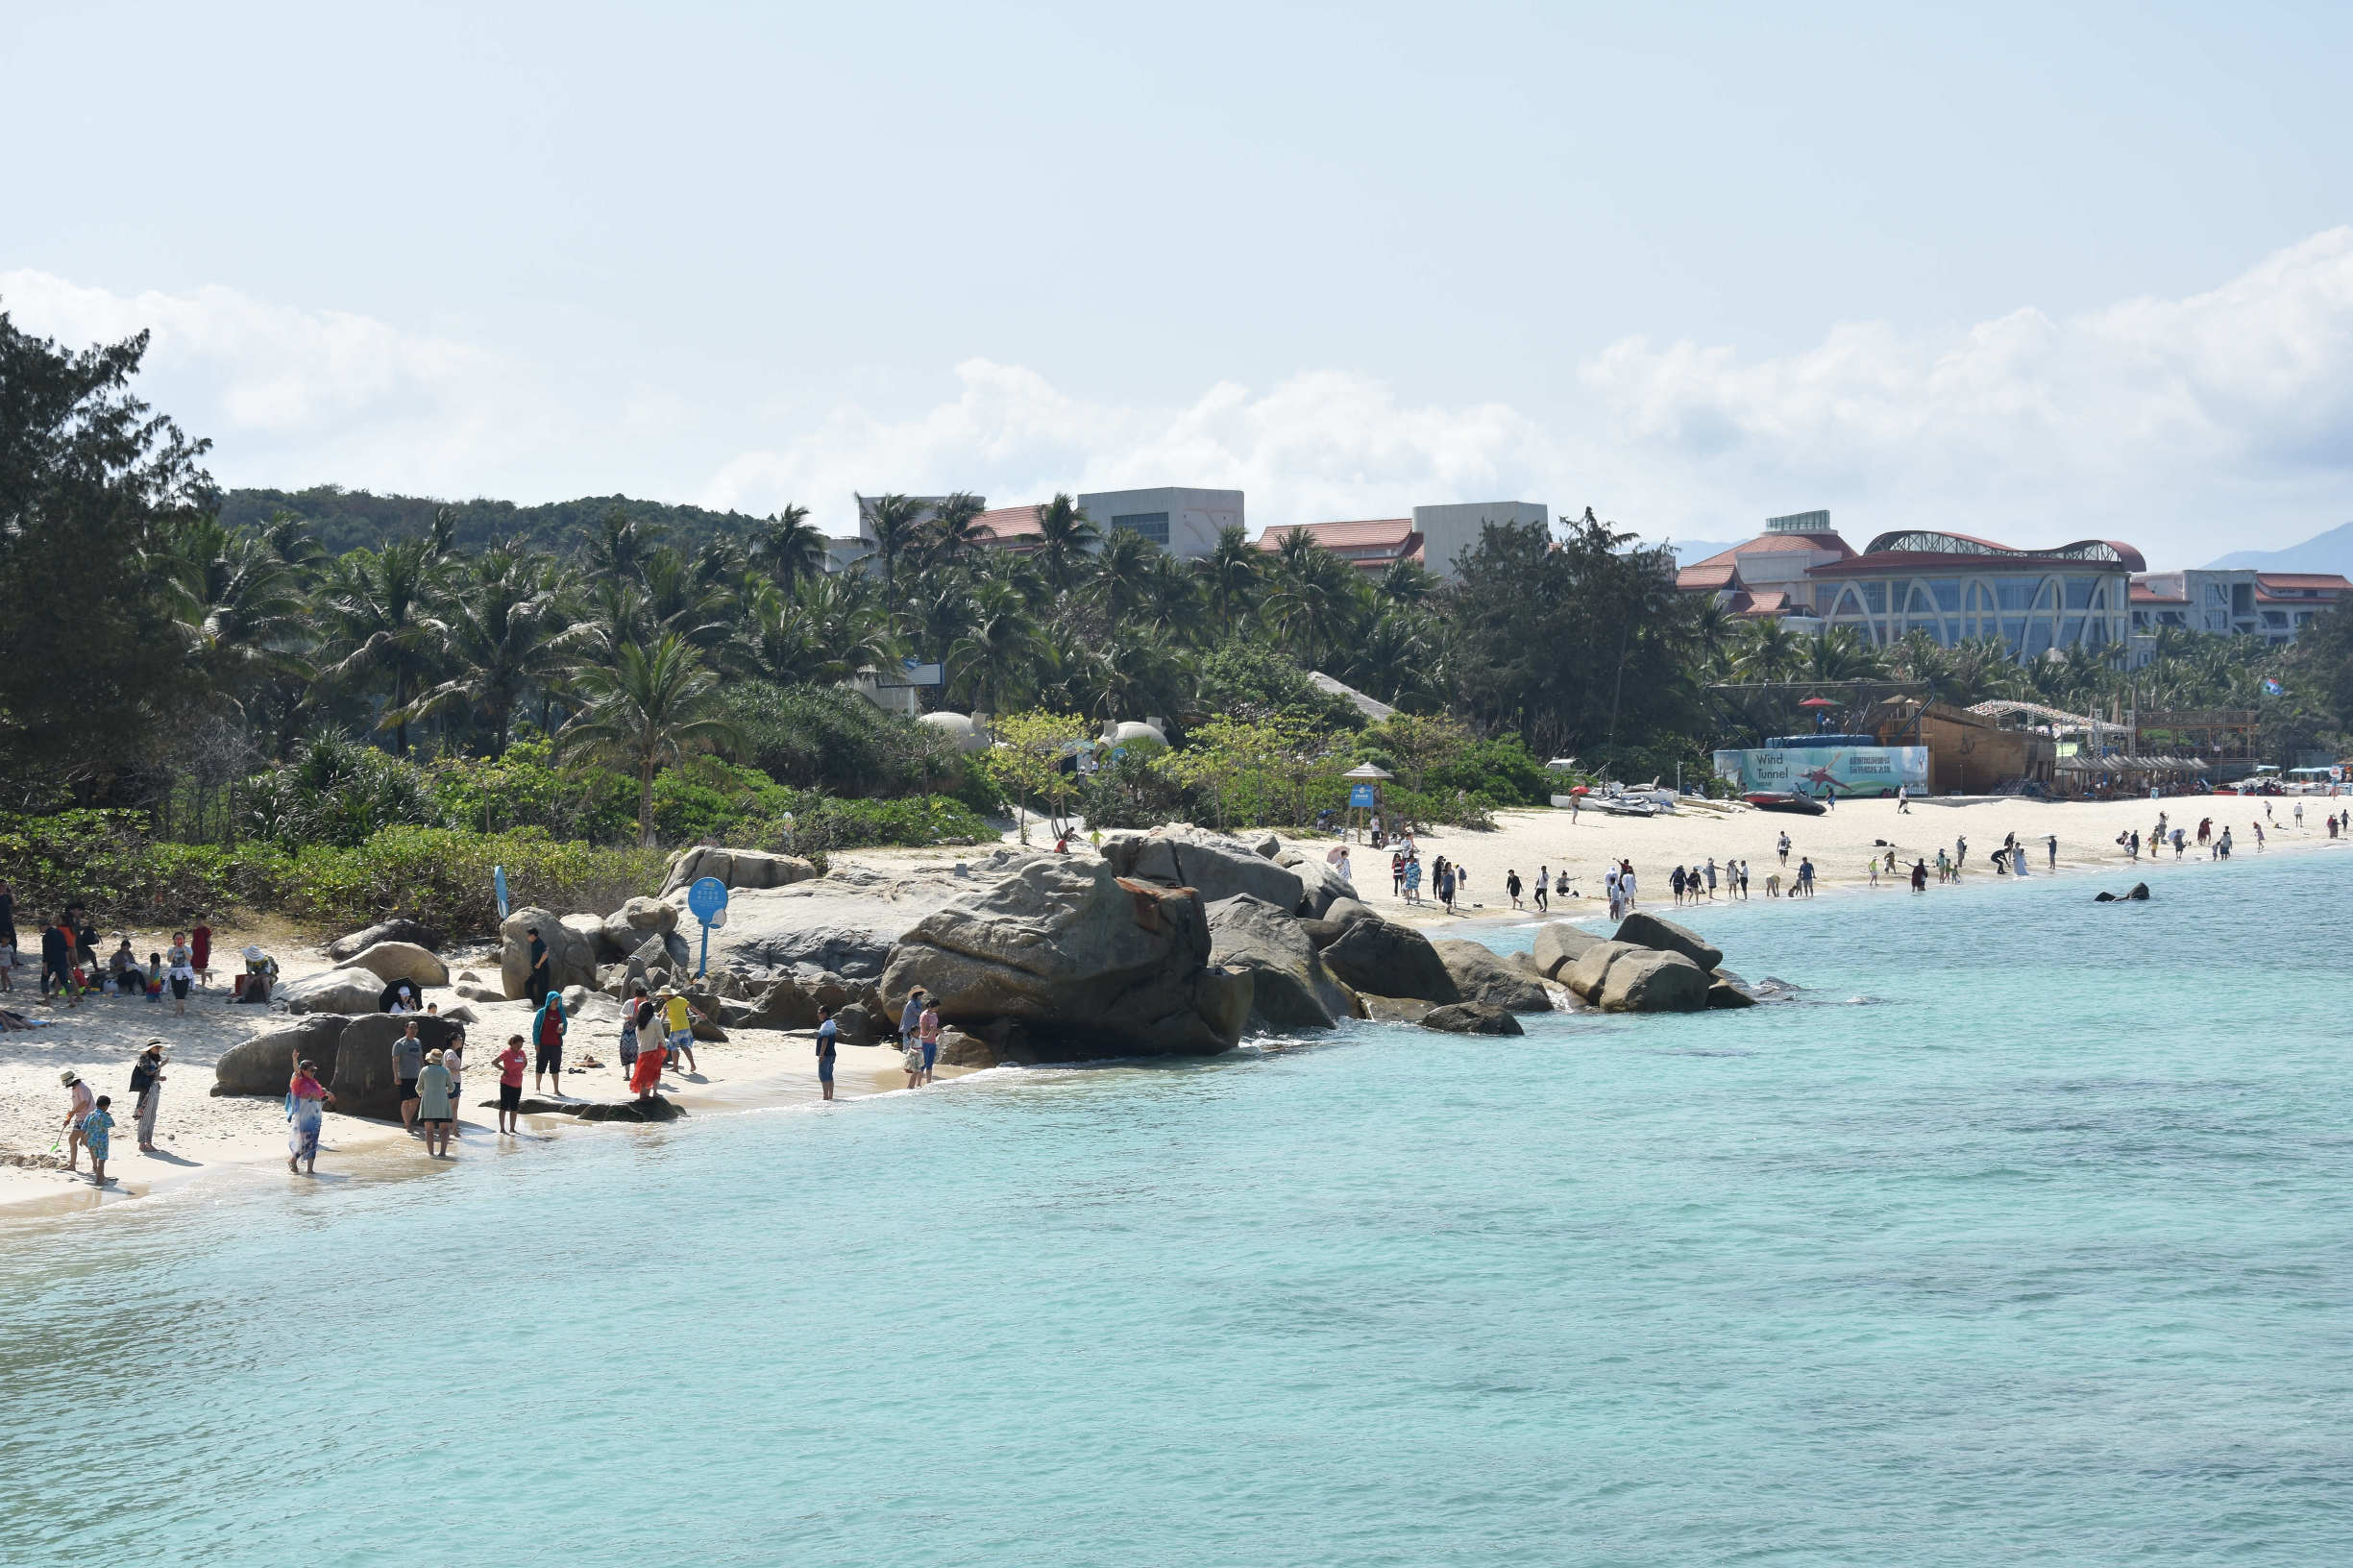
(2023, 1238)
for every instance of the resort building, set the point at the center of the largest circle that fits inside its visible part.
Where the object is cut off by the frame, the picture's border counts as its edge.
(1438, 536)
(2242, 603)
(1767, 577)
(1186, 523)
(1951, 586)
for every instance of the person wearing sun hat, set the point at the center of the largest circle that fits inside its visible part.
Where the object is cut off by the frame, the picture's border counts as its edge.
(85, 1101)
(435, 1112)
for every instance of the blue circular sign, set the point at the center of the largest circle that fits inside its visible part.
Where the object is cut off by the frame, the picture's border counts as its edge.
(707, 898)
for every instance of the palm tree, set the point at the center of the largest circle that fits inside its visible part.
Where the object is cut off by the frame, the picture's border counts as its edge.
(1230, 576)
(502, 637)
(377, 603)
(239, 605)
(1406, 581)
(991, 665)
(620, 543)
(1173, 599)
(1123, 576)
(689, 598)
(1838, 653)
(1066, 535)
(1318, 600)
(897, 521)
(788, 548)
(955, 529)
(1768, 650)
(649, 707)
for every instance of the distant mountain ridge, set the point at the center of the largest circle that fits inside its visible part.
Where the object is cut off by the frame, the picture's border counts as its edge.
(2330, 551)
(344, 519)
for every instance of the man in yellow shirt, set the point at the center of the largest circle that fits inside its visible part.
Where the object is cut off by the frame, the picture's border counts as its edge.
(679, 1024)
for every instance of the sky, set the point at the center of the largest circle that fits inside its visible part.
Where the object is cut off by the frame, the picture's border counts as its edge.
(2038, 272)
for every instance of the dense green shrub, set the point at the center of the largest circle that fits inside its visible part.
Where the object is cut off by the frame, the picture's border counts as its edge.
(822, 824)
(526, 788)
(1242, 680)
(104, 860)
(829, 738)
(335, 791)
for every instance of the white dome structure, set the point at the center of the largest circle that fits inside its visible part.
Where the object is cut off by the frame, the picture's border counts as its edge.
(958, 727)
(1122, 733)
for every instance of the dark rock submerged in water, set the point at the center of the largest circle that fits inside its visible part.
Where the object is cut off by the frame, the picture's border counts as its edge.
(2138, 895)
(1472, 1018)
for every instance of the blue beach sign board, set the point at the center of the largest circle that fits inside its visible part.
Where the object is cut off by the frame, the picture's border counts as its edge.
(1359, 795)
(706, 900)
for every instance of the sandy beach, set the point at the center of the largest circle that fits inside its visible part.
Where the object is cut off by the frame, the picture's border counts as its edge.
(1841, 842)
(199, 1135)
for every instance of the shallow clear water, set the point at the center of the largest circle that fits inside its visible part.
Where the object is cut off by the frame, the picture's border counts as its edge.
(2024, 1237)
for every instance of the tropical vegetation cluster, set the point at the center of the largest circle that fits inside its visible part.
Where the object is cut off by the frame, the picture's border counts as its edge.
(242, 674)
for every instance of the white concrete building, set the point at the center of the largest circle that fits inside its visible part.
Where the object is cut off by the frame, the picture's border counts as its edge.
(1451, 532)
(1185, 523)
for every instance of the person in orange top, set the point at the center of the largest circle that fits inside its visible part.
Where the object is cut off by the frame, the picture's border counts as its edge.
(200, 951)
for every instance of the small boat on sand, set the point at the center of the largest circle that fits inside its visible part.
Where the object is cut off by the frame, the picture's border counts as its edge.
(1804, 805)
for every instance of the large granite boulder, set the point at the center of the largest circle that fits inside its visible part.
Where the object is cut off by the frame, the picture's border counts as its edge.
(1472, 1018)
(736, 868)
(1090, 962)
(401, 961)
(627, 927)
(1320, 883)
(1380, 958)
(344, 948)
(1481, 976)
(1586, 975)
(1667, 937)
(332, 990)
(781, 1004)
(262, 1064)
(1558, 945)
(1338, 917)
(363, 1084)
(1648, 980)
(570, 954)
(1290, 988)
(1215, 867)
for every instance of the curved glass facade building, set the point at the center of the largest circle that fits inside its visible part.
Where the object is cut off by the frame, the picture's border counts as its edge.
(1955, 587)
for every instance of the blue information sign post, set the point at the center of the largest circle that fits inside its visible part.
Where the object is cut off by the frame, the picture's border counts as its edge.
(707, 901)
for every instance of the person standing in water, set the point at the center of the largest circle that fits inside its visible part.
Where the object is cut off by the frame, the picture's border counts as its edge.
(827, 1031)
(510, 1064)
(306, 1102)
(435, 1112)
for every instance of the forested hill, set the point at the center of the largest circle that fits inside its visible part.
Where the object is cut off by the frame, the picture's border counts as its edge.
(344, 519)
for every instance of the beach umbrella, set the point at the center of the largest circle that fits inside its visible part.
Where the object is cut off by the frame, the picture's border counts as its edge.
(1817, 702)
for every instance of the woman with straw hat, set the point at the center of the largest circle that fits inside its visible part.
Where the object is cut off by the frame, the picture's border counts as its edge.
(435, 1112)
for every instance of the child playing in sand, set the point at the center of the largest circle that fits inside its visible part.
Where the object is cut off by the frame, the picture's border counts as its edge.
(95, 1128)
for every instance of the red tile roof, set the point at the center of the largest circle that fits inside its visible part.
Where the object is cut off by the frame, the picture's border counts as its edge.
(2277, 580)
(1711, 575)
(1875, 562)
(1764, 543)
(1010, 523)
(1393, 532)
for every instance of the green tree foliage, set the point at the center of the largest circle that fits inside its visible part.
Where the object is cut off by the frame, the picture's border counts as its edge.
(92, 487)
(649, 706)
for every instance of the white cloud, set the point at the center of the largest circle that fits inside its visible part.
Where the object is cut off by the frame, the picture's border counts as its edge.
(292, 396)
(2188, 426)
